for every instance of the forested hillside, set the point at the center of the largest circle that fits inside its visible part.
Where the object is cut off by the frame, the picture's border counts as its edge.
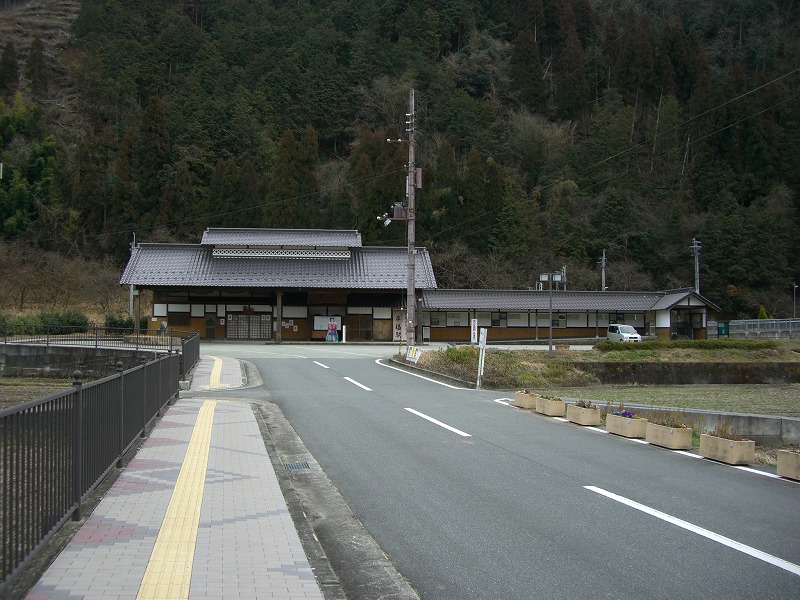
(548, 132)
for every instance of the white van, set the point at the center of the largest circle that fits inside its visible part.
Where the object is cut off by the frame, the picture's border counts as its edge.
(623, 333)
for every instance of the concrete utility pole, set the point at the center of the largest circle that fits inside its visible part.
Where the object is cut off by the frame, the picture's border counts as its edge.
(406, 211)
(695, 248)
(602, 263)
(411, 185)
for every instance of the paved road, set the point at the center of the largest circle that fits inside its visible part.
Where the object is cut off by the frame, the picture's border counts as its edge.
(472, 498)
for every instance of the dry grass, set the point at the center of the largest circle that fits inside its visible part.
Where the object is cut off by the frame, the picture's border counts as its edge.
(763, 399)
(16, 390)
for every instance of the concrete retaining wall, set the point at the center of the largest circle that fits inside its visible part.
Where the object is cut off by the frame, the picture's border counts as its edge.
(677, 373)
(62, 361)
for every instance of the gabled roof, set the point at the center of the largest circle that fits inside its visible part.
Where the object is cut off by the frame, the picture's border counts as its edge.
(281, 238)
(192, 265)
(672, 298)
(578, 301)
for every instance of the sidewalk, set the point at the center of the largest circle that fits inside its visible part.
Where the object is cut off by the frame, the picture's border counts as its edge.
(198, 513)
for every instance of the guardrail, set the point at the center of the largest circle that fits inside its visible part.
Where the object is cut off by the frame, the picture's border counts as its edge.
(55, 450)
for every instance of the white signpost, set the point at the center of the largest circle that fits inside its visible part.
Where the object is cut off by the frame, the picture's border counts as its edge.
(481, 356)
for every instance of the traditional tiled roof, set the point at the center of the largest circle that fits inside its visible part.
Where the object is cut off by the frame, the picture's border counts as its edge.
(278, 238)
(671, 298)
(510, 300)
(192, 265)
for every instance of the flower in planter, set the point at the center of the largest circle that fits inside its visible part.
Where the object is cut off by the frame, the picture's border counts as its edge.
(626, 414)
(668, 418)
(585, 404)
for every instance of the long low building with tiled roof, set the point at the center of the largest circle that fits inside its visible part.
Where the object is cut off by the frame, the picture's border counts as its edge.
(287, 284)
(528, 314)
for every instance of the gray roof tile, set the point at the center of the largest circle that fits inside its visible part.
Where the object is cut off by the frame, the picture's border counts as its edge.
(304, 238)
(506, 300)
(190, 265)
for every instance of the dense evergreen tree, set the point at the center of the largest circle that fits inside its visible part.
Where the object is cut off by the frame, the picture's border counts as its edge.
(630, 130)
(9, 70)
(527, 74)
(36, 71)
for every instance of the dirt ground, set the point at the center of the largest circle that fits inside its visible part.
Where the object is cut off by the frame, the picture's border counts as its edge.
(17, 394)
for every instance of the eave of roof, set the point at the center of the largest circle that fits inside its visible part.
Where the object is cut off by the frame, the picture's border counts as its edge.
(509, 300)
(191, 265)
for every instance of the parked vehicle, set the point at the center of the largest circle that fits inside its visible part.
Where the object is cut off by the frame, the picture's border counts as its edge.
(623, 333)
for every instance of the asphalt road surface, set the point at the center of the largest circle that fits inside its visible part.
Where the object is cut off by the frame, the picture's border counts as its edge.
(473, 498)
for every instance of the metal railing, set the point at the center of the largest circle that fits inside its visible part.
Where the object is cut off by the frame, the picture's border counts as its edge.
(93, 336)
(55, 450)
(756, 328)
(190, 353)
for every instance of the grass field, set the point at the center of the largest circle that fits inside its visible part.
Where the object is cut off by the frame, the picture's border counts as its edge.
(561, 375)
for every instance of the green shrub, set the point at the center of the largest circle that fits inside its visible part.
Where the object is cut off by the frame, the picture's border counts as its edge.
(463, 355)
(44, 323)
(124, 324)
(713, 344)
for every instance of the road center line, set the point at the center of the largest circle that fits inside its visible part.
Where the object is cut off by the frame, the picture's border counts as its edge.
(439, 423)
(321, 365)
(721, 539)
(361, 385)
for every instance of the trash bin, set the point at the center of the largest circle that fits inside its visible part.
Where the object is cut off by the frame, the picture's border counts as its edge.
(722, 329)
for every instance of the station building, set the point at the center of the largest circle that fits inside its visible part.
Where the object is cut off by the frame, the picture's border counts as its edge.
(286, 284)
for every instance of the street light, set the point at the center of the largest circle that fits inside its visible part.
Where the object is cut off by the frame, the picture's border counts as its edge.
(550, 278)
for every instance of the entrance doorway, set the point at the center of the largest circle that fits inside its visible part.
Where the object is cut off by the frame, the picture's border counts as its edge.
(211, 328)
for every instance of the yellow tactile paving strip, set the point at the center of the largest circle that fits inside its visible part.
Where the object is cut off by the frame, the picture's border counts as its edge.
(169, 570)
(216, 371)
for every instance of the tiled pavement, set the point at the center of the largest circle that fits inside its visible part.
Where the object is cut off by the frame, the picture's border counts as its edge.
(198, 513)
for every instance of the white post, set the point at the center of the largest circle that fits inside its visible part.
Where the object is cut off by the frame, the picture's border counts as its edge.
(481, 357)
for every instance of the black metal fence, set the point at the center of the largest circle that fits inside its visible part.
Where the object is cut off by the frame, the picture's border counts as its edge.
(94, 336)
(55, 450)
(190, 353)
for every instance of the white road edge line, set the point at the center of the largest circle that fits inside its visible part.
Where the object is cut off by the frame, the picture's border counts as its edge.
(721, 539)
(321, 365)
(757, 472)
(439, 423)
(452, 387)
(354, 382)
(689, 454)
(503, 401)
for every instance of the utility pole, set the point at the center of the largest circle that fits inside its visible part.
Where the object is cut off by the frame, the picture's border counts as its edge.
(602, 263)
(695, 248)
(406, 211)
(411, 185)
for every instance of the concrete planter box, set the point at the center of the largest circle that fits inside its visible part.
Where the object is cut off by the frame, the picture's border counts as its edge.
(626, 426)
(551, 408)
(732, 452)
(524, 400)
(789, 464)
(674, 438)
(583, 416)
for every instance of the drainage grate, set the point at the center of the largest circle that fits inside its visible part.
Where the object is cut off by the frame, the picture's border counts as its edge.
(296, 466)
